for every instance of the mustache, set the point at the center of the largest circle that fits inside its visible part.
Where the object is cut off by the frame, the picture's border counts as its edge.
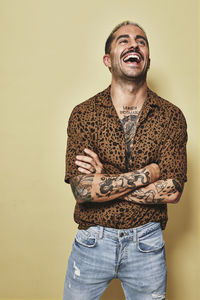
(132, 51)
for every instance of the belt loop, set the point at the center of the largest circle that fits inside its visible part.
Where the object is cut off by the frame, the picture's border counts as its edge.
(101, 232)
(134, 235)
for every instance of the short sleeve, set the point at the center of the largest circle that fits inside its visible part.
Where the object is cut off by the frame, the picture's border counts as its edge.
(78, 138)
(173, 156)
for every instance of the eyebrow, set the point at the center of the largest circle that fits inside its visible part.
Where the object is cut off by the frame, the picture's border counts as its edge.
(127, 36)
(141, 37)
(122, 36)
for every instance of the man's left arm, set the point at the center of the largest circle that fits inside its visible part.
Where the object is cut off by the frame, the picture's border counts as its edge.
(159, 192)
(172, 160)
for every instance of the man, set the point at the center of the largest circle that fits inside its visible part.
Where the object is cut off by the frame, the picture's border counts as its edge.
(125, 160)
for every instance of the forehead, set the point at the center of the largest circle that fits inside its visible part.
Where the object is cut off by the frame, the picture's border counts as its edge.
(131, 30)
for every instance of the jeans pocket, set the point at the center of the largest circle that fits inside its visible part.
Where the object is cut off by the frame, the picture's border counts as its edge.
(85, 238)
(151, 242)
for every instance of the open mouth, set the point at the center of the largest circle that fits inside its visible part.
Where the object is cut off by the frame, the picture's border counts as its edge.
(132, 58)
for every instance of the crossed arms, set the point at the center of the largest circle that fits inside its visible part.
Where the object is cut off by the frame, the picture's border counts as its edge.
(140, 186)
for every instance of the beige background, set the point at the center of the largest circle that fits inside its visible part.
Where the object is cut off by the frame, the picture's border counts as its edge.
(50, 60)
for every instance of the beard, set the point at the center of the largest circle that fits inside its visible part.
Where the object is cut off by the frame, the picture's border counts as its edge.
(139, 78)
(123, 75)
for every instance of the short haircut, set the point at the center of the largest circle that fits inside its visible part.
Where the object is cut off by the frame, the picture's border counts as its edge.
(111, 36)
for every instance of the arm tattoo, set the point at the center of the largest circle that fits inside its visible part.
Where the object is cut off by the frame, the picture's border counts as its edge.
(107, 185)
(144, 197)
(116, 184)
(81, 187)
(156, 193)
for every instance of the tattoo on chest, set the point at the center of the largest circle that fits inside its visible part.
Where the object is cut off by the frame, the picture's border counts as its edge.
(129, 110)
(129, 119)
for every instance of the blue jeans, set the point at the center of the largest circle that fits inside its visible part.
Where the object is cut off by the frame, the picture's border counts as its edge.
(136, 256)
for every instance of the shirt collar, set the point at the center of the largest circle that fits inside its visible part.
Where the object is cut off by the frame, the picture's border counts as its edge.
(104, 99)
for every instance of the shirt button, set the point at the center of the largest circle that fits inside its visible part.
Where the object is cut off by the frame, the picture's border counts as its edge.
(121, 234)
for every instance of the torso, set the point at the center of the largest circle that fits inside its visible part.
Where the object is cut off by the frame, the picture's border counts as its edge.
(143, 133)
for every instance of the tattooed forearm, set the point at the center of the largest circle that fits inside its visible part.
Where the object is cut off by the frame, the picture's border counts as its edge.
(144, 197)
(162, 191)
(102, 187)
(81, 187)
(109, 186)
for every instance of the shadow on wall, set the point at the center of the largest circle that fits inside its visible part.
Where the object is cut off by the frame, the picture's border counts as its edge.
(179, 226)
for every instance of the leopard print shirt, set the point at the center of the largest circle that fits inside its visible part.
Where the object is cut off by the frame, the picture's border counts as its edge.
(160, 137)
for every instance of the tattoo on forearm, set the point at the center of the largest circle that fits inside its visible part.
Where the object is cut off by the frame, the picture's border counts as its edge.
(108, 185)
(81, 187)
(116, 184)
(156, 194)
(144, 197)
(160, 185)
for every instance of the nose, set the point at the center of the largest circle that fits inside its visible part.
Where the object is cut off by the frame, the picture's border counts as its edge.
(134, 48)
(133, 45)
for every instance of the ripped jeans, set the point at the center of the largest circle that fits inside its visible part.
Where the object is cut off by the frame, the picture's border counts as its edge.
(136, 256)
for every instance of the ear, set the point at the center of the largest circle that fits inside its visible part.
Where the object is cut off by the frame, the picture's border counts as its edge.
(107, 61)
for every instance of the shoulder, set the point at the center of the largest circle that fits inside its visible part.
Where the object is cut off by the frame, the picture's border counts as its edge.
(88, 106)
(83, 116)
(172, 113)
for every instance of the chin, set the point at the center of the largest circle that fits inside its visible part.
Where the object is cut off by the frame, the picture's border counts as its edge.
(136, 77)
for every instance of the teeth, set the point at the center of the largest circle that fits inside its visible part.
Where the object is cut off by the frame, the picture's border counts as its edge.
(132, 56)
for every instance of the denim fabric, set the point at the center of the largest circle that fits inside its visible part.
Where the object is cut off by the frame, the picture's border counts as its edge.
(135, 256)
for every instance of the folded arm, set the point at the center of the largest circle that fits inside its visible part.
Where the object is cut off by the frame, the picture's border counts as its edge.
(130, 187)
(159, 192)
(103, 187)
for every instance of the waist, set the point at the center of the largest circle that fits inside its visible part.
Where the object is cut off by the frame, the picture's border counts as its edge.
(119, 214)
(116, 234)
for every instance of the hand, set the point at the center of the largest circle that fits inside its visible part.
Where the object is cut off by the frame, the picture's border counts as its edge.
(89, 163)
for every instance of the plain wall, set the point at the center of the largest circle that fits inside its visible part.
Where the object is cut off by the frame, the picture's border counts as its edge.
(50, 60)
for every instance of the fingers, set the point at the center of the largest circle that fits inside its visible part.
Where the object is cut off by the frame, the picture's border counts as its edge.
(90, 163)
(92, 159)
(84, 171)
(94, 156)
(88, 168)
(86, 159)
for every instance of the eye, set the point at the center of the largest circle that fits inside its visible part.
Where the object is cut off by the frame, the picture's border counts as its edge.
(123, 41)
(141, 42)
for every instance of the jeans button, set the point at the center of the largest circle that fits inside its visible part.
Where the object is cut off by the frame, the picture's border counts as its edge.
(121, 234)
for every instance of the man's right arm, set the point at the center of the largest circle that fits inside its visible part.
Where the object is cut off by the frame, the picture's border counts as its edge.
(103, 187)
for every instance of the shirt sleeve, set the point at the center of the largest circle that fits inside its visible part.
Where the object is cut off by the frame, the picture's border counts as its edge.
(173, 156)
(78, 138)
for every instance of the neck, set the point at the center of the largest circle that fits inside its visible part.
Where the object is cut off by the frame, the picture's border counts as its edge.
(128, 93)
